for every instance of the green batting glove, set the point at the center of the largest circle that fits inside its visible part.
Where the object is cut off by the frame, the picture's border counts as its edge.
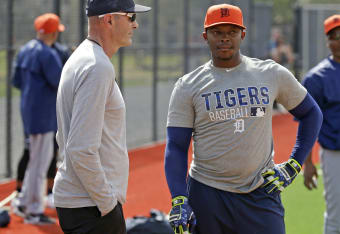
(181, 216)
(282, 175)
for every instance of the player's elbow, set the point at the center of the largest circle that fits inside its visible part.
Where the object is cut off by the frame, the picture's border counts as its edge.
(319, 116)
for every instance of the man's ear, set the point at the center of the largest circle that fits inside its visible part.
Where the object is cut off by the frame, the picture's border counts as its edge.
(243, 34)
(205, 36)
(108, 19)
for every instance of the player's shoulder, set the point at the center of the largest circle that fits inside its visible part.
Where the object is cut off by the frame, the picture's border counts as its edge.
(197, 75)
(260, 64)
(87, 59)
(91, 56)
(320, 70)
(30, 46)
(30, 53)
(324, 66)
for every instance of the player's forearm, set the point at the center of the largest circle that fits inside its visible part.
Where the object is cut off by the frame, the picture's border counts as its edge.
(176, 159)
(52, 71)
(309, 159)
(310, 119)
(16, 80)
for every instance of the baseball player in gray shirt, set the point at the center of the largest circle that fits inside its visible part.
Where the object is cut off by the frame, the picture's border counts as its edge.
(91, 182)
(226, 107)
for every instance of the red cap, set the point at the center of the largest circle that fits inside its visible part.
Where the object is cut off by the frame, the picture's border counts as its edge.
(331, 23)
(48, 23)
(223, 14)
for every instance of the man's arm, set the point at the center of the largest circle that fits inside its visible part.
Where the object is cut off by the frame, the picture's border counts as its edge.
(315, 87)
(16, 78)
(181, 216)
(84, 138)
(176, 159)
(310, 173)
(309, 116)
(51, 67)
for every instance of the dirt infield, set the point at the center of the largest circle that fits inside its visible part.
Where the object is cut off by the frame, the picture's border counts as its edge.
(147, 184)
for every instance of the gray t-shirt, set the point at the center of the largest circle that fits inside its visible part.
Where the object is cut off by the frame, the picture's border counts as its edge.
(230, 111)
(91, 133)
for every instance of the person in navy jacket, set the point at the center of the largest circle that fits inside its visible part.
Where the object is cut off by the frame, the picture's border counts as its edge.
(37, 73)
(323, 83)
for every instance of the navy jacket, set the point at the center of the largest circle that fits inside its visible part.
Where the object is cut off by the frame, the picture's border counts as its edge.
(323, 83)
(37, 71)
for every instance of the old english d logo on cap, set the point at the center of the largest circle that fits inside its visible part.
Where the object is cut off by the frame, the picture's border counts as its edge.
(223, 14)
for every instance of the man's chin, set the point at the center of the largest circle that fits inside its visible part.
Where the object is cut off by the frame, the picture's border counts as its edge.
(225, 58)
(127, 43)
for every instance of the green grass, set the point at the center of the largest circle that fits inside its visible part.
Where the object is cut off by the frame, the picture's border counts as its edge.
(304, 209)
(3, 75)
(3, 63)
(3, 71)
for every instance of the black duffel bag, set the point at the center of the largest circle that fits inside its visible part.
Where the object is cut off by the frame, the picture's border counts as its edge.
(157, 223)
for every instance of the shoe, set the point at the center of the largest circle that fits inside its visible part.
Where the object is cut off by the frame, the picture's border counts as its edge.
(49, 201)
(17, 209)
(39, 219)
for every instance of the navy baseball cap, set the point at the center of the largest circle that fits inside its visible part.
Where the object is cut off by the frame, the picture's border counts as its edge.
(101, 7)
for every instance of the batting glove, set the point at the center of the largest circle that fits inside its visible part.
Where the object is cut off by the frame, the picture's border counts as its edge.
(276, 179)
(181, 217)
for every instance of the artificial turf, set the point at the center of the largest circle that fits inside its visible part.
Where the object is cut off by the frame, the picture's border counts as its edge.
(304, 209)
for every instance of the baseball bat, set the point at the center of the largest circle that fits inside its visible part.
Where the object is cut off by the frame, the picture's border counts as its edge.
(8, 199)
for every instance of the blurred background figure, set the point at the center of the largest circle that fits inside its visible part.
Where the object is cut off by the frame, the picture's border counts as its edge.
(323, 83)
(37, 73)
(280, 51)
(64, 53)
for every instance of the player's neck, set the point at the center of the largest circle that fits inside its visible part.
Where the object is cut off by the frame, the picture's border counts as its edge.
(227, 63)
(47, 40)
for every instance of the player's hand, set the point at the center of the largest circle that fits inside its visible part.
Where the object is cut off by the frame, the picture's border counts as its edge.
(279, 177)
(181, 216)
(310, 175)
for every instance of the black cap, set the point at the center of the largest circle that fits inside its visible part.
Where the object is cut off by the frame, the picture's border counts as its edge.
(101, 7)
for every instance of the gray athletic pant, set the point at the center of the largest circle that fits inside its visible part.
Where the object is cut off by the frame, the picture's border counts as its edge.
(34, 185)
(330, 163)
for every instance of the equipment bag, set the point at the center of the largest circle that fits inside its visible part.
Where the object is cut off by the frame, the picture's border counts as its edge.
(157, 223)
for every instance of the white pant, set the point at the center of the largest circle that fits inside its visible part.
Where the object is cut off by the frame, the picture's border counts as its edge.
(34, 185)
(330, 163)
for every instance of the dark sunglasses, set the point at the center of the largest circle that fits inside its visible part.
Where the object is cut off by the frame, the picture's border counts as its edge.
(132, 16)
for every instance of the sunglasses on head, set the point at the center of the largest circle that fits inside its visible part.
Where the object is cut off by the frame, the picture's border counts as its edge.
(132, 16)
